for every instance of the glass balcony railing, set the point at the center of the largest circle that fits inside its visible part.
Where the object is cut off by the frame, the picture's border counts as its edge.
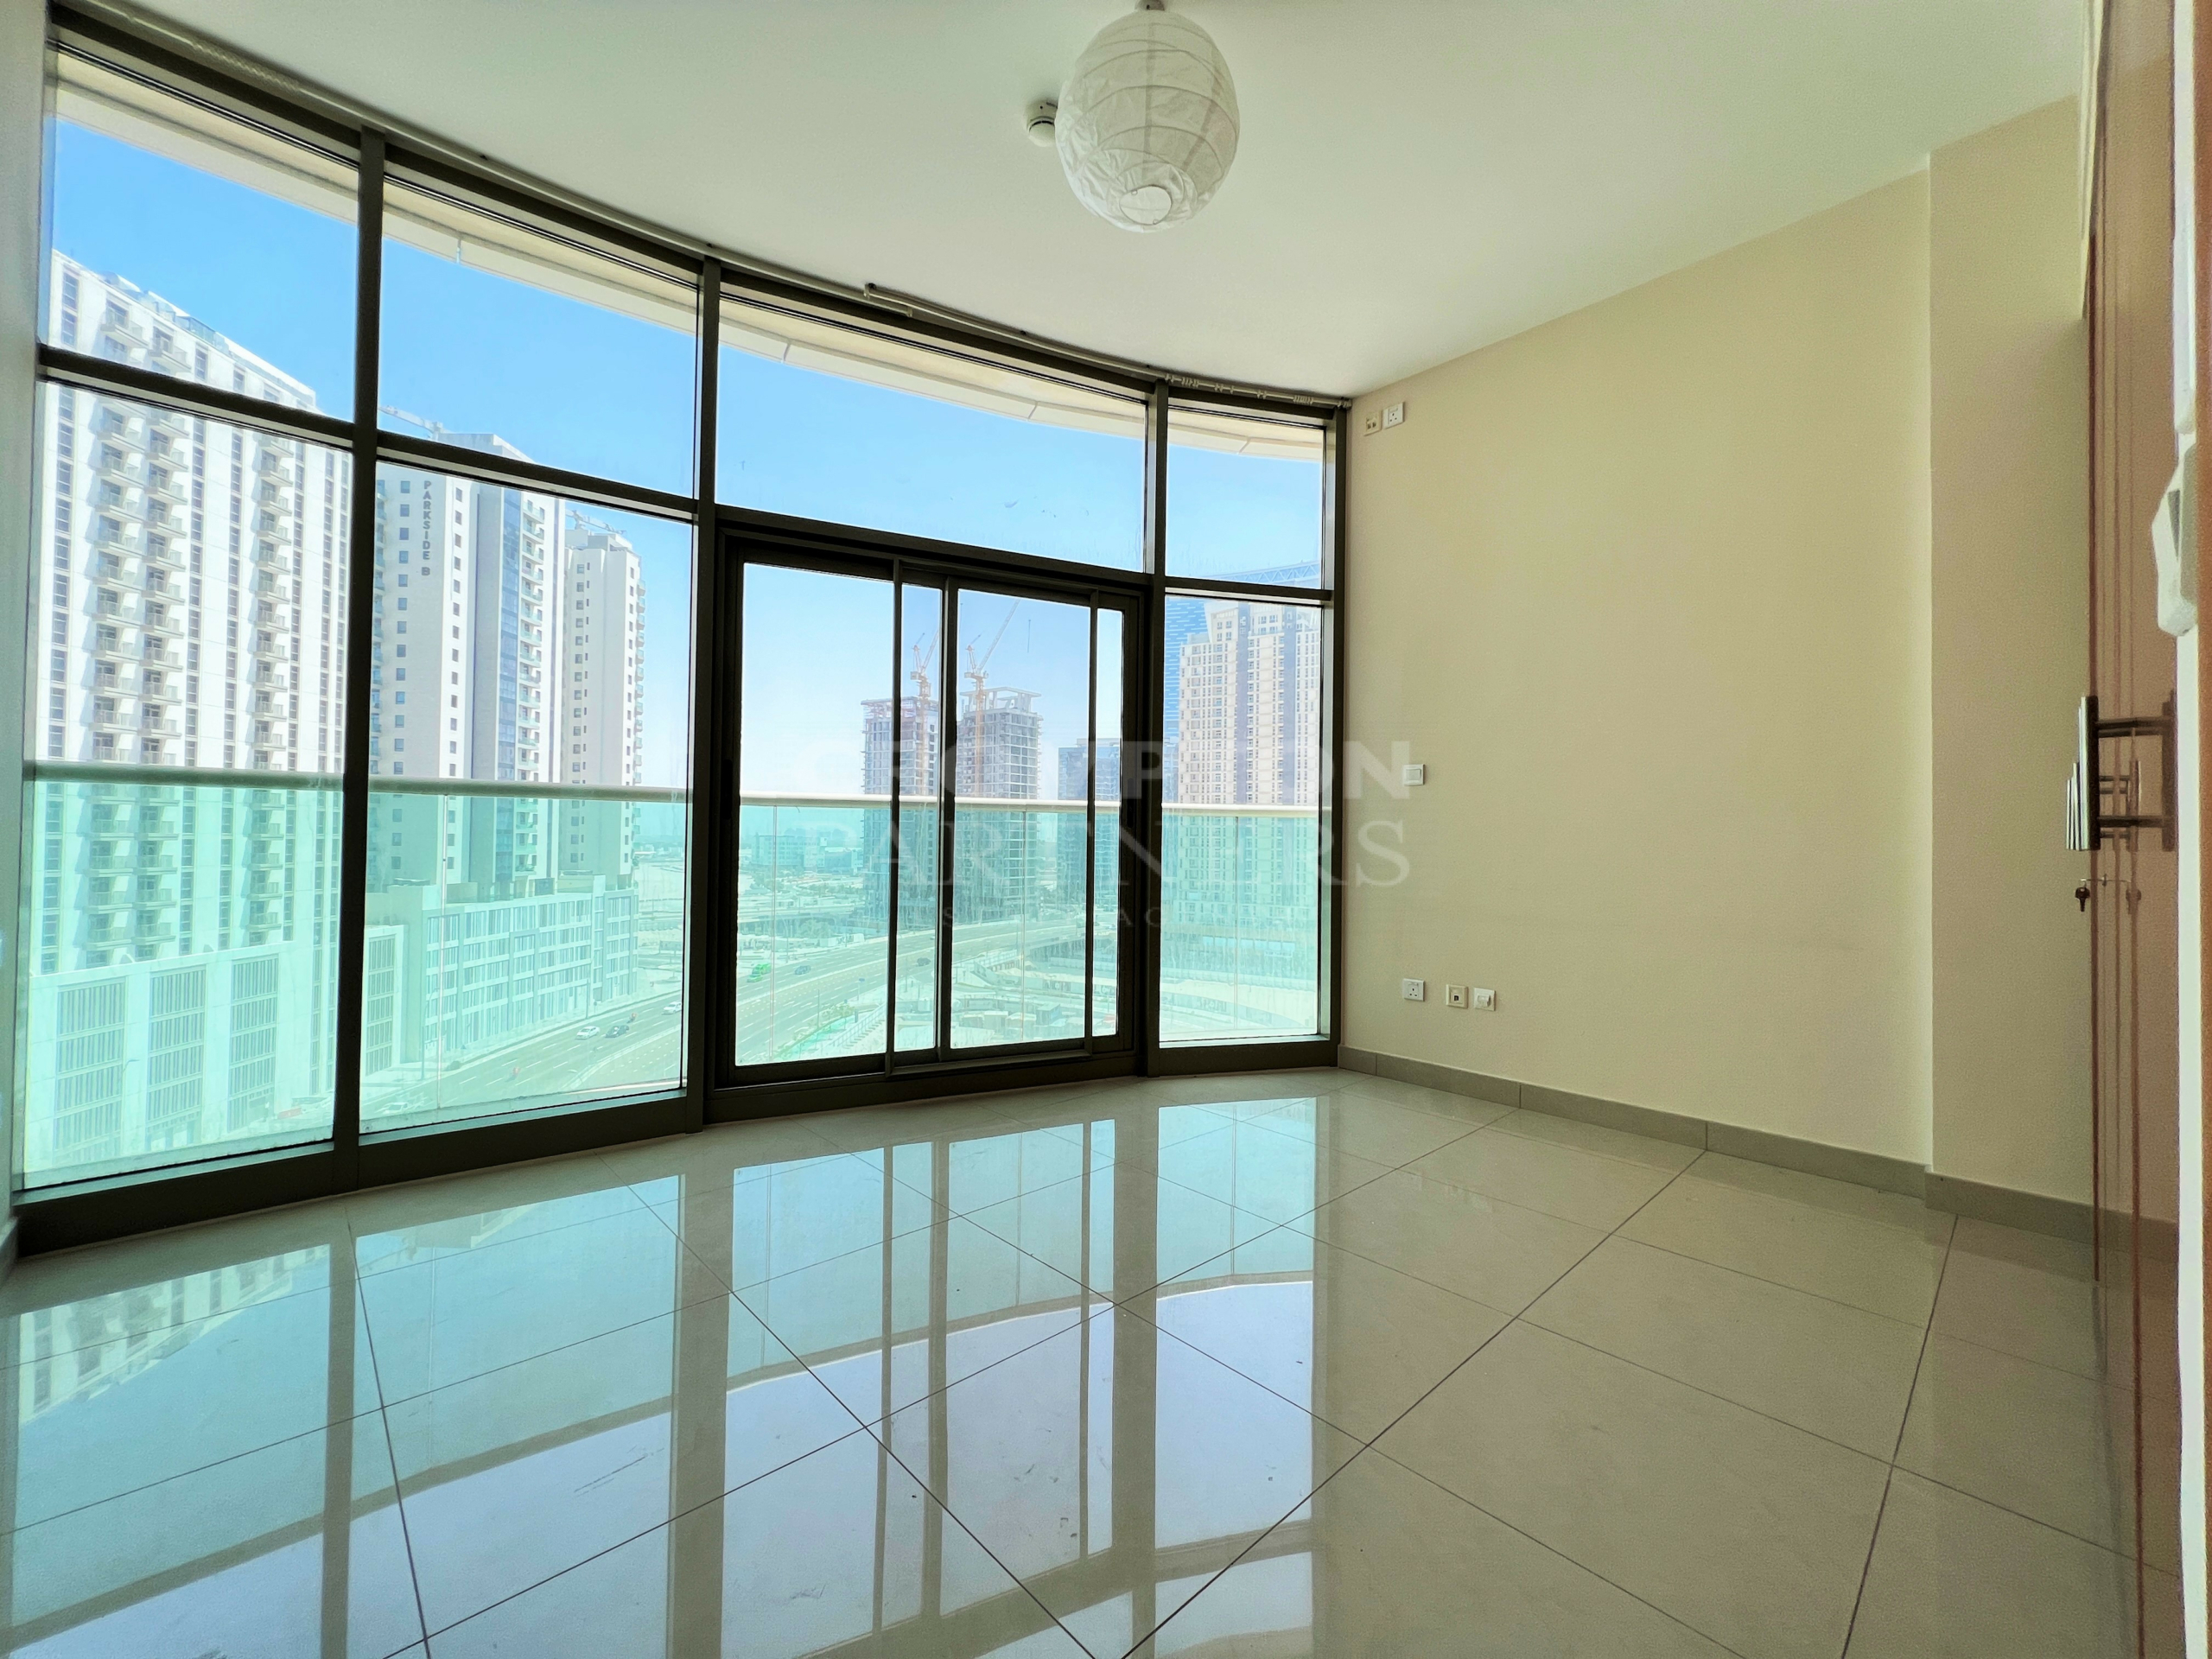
(524, 946)
(1240, 952)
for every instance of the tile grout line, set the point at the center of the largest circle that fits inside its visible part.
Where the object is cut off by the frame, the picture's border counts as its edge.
(2037, 1521)
(187, 1474)
(1229, 1567)
(1468, 1131)
(1375, 1445)
(859, 1428)
(392, 1461)
(1761, 1279)
(1888, 1480)
(1551, 1550)
(1519, 1318)
(1019, 1582)
(1666, 1376)
(646, 1532)
(1926, 1335)
(1120, 1305)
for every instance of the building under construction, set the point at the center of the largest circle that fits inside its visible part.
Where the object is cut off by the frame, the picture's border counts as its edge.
(996, 751)
(918, 761)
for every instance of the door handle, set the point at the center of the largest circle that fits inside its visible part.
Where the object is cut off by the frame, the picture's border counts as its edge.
(2081, 896)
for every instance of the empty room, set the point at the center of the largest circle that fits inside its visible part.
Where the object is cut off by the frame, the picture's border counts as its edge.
(1073, 830)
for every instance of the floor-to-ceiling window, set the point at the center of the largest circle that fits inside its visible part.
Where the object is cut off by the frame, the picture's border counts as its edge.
(489, 666)
(529, 762)
(184, 711)
(1246, 767)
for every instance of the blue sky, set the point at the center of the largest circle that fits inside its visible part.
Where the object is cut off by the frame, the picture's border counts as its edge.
(576, 386)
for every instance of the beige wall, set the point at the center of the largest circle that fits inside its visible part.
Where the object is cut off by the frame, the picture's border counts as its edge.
(2008, 356)
(1739, 621)
(1647, 588)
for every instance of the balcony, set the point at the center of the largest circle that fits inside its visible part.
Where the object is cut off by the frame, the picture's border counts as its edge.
(127, 329)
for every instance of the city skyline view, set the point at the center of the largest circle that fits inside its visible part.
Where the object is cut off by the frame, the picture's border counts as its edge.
(525, 944)
(286, 272)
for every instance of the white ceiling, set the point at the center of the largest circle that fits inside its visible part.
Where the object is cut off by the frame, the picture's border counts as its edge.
(1416, 177)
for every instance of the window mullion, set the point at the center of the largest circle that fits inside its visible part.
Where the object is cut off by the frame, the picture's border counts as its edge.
(360, 595)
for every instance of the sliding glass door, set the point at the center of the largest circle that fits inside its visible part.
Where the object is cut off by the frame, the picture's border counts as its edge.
(964, 803)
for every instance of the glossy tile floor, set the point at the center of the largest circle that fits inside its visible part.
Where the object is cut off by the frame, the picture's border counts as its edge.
(1307, 1363)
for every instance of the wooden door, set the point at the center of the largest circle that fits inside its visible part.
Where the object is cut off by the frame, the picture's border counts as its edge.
(2133, 875)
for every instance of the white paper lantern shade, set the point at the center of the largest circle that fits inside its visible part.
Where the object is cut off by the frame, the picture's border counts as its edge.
(1146, 126)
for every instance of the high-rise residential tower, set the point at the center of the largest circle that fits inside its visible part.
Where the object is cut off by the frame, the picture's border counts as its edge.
(187, 631)
(1250, 707)
(192, 587)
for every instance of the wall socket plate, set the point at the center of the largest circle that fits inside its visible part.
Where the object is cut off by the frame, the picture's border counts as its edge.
(1394, 414)
(1484, 1000)
(1415, 776)
(1371, 423)
(1455, 996)
(1413, 990)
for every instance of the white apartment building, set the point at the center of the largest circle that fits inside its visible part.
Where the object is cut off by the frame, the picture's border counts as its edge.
(466, 619)
(603, 610)
(1250, 707)
(508, 649)
(191, 591)
(190, 604)
(188, 614)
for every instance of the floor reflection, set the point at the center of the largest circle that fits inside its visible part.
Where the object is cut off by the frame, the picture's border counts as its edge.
(1245, 1368)
(703, 1396)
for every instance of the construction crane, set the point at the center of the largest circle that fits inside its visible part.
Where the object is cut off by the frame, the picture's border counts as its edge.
(977, 677)
(433, 428)
(924, 658)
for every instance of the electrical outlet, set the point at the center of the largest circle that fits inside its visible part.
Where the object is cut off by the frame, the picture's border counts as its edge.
(1371, 423)
(1394, 414)
(1486, 1000)
(1455, 996)
(1413, 990)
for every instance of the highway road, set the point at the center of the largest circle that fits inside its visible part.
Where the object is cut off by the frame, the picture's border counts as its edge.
(818, 1003)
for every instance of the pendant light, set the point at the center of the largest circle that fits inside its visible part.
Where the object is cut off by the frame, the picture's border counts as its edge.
(1147, 124)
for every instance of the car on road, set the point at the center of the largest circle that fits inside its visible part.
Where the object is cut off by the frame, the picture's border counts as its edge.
(587, 1031)
(674, 1005)
(620, 1028)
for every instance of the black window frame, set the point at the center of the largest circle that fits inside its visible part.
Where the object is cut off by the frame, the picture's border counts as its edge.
(724, 538)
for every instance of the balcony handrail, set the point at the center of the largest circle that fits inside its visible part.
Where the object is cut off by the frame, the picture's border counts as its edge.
(108, 771)
(994, 802)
